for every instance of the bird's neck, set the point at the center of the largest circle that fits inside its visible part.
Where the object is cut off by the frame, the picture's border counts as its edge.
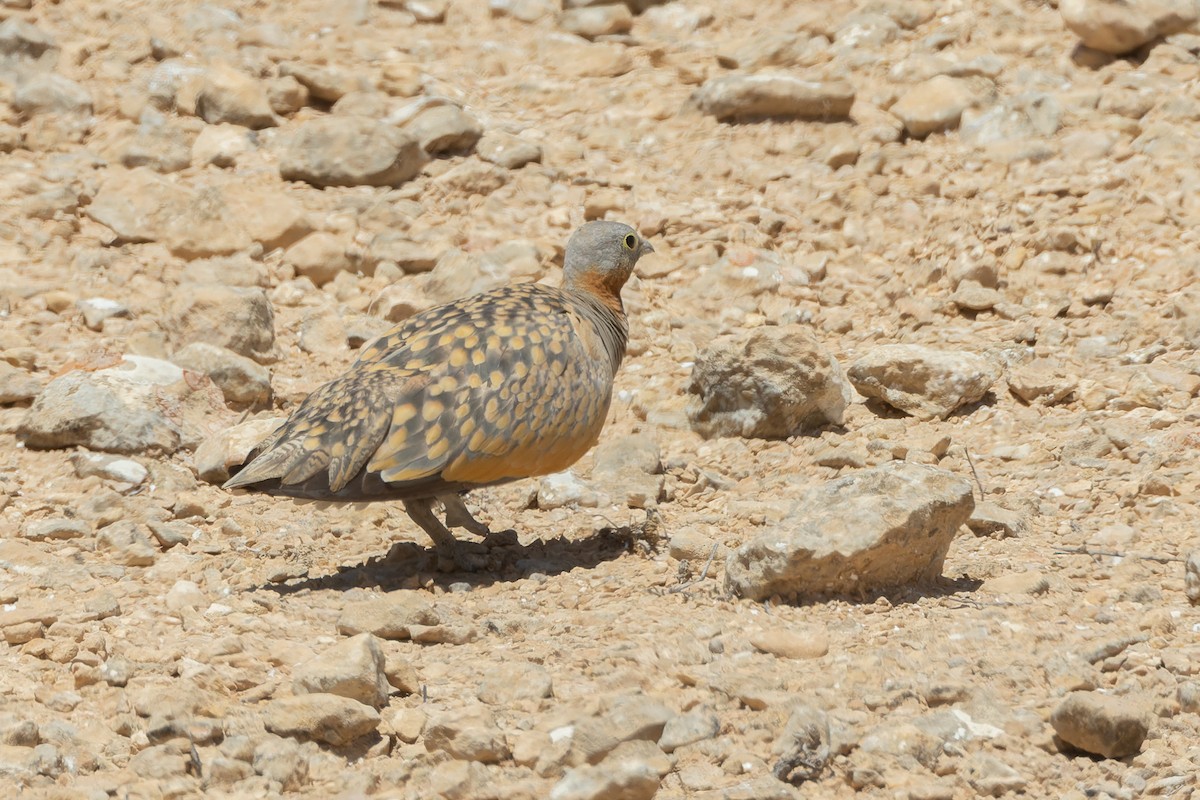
(603, 289)
(603, 307)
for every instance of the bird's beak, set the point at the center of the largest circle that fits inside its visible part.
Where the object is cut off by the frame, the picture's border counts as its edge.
(645, 248)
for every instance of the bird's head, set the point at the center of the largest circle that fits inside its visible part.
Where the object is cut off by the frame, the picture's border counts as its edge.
(601, 256)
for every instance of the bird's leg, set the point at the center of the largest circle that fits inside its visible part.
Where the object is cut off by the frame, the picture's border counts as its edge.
(449, 550)
(459, 516)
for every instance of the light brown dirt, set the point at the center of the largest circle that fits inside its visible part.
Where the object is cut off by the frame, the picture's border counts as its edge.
(1090, 228)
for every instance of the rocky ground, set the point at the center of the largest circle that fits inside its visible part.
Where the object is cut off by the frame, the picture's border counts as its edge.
(963, 576)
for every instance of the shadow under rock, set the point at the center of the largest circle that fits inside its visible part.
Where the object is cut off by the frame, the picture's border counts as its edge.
(884, 411)
(987, 401)
(408, 565)
(943, 587)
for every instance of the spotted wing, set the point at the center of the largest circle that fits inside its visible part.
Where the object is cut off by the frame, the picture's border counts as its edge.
(331, 435)
(518, 391)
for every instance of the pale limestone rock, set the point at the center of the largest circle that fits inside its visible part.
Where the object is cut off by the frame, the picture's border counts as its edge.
(934, 105)
(352, 668)
(230, 96)
(769, 383)
(883, 527)
(768, 94)
(1121, 26)
(1101, 724)
(349, 151)
(327, 718)
(599, 20)
(922, 381)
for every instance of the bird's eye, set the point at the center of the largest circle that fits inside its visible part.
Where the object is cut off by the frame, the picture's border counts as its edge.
(630, 242)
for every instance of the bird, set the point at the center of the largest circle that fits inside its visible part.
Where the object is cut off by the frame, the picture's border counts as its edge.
(511, 383)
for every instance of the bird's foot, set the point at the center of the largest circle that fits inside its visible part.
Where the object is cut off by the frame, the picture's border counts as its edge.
(452, 555)
(459, 516)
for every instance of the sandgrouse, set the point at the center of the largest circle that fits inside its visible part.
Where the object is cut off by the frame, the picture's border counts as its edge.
(508, 384)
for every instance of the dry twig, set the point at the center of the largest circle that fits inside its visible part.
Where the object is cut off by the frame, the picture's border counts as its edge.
(703, 573)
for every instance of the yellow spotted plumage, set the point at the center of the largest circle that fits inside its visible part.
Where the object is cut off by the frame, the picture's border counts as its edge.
(507, 384)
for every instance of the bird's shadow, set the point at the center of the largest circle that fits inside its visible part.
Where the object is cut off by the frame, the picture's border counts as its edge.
(408, 565)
